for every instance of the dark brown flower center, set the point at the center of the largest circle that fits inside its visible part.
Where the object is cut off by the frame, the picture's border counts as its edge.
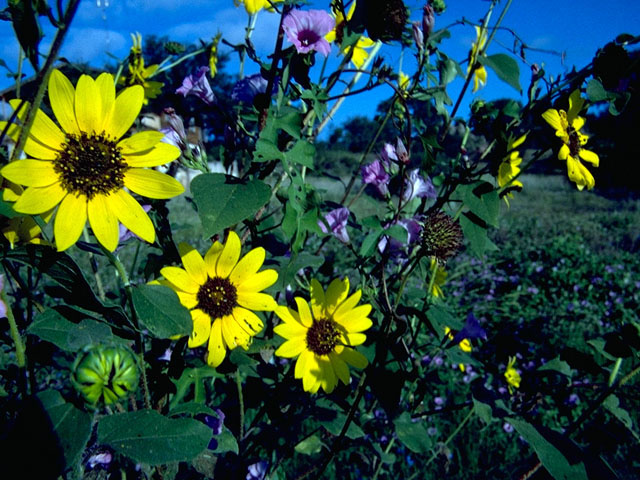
(90, 165)
(217, 297)
(322, 336)
(574, 141)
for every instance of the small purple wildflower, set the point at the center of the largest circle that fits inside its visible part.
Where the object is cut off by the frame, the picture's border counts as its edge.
(533, 290)
(3, 306)
(166, 356)
(375, 174)
(413, 229)
(416, 186)
(573, 399)
(257, 471)
(198, 85)
(439, 401)
(388, 154)
(507, 427)
(306, 30)
(216, 424)
(431, 431)
(337, 224)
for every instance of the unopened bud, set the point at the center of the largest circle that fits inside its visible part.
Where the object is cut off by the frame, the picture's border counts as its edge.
(105, 374)
(428, 20)
(418, 37)
(438, 6)
(401, 152)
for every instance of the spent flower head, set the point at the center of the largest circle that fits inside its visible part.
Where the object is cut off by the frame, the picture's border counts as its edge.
(441, 236)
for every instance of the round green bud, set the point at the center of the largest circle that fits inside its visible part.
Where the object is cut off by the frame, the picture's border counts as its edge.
(438, 6)
(105, 374)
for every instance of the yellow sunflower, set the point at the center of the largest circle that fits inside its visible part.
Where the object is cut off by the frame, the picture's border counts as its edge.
(360, 54)
(85, 167)
(222, 291)
(479, 73)
(568, 125)
(254, 6)
(511, 375)
(464, 344)
(510, 167)
(139, 74)
(323, 336)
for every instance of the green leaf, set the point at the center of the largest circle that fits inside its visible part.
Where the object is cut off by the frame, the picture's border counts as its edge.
(505, 67)
(557, 365)
(72, 286)
(226, 442)
(550, 456)
(310, 445)
(6, 210)
(448, 71)
(267, 151)
(482, 200)
(301, 153)
(27, 27)
(440, 317)
(596, 92)
(149, 437)
(334, 426)
(195, 377)
(159, 309)
(483, 411)
(52, 327)
(413, 435)
(71, 426)
(291, 265)
(475, 231)
(612, 403)
(223, 200)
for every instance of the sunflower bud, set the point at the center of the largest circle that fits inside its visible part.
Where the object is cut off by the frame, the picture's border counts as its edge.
(441, 236)
(105, 373)
(438, 6)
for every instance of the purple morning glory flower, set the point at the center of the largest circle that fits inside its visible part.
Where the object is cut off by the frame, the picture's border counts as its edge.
(416, 186)
(246, 89)
(216, 424)
(306, 30)
(471, 330)
(257, 471)
(413, 228)
(375, 174)
(102, 459)
(3, 306)
(198, 85)
(337, 222)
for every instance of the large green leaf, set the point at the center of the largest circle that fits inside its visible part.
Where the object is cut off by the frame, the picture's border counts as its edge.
(505, 67)
(335, 425)
(51, 326)
(159, 309)
(413, 434)
(223, 200)
(475, 231)
(549, 454)
(71, 426)
(149, 437)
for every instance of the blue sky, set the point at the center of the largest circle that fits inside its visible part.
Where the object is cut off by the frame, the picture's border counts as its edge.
(575, 27)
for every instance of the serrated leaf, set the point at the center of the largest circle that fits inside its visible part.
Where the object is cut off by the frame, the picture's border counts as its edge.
(412, 434)
(482, 200)
(596, 92)
(301, 153)
(195, 377)
(557, 365)
(223, 200)
(226, 442)
(475, 231)
(160, 311)
(505, 67)
(334, 426)
(71, 426)
(612, 403)
(149, 437)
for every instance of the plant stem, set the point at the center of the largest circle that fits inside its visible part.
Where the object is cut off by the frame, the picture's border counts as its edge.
(453, 434)
(240, 404)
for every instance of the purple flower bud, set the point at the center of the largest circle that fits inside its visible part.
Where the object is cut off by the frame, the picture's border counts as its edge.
(507, 427)
(401, 152)
(388, 154)
(413, 228)
(418, 37)
(336, 220)
(198, 85)
(245, 90)
(306, 30)
(257, 471)
(428, 20)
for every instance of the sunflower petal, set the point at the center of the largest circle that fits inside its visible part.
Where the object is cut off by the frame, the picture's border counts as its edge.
(301, 363)
(32, 173)
(247, 320)
(70, 221)
(201, 328)
(552, 117)
(312, 373)
(88, 105)
(317, 299)
(354, 358)
(193, 263)
(132, 215)
(233, 335)
(353, 339)
(258, 282)
(290, 330)
(291, 348)
(181, 279)
(103, 221)
(104, 84)
(589, 156)
(211, 258)
(152, 184)
(229, 256)
(162, 153)
(340, 367)
(141, 142)
(305, 313)
(125, 111)
(247, 266)
(575, 105)
(216, 351)
(256, 301)
(336, 293)
(347, 305)
(36, 200)
(62, 98)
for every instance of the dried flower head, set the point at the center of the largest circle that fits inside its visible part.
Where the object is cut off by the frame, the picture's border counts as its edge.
(441, 236)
